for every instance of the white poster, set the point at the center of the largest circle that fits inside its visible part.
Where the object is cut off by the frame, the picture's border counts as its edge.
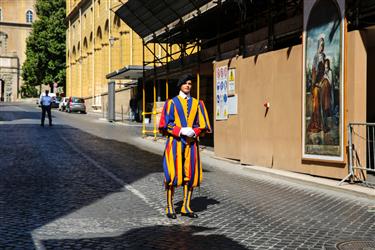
(222, 93)
(233, 105)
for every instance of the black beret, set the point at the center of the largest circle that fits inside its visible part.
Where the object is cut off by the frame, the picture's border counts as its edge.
(184, 79)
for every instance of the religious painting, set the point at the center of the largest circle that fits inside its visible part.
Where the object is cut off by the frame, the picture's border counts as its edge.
(323, 80)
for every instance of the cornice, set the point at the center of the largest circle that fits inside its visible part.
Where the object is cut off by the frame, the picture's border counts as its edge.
(25, 25)
(75, 11)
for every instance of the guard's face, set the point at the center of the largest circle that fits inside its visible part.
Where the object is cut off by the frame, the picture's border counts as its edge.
(186, 87)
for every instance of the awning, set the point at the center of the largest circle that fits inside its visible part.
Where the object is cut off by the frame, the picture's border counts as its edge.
(147, 17)
(133, 72)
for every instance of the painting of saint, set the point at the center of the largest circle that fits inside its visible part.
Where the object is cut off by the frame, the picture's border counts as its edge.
(323, 80)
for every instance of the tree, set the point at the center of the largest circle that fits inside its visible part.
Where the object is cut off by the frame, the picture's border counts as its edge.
(28, 91)
(45, 47)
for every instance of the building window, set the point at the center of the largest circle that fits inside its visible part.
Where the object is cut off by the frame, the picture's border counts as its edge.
(3, 42)
(1, 14)
(29, 16)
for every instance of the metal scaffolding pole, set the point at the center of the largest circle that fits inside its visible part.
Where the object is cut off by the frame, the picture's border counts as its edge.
(143, 92)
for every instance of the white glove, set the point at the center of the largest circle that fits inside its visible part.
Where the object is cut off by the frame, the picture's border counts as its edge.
(184, 131)
(187, 131)
(190, 133)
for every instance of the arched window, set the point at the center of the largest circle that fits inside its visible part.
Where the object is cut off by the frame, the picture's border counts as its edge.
(85, 45)
(79, 50)
(74, 55)
(99, 33)
(116, 23)
(29, 16)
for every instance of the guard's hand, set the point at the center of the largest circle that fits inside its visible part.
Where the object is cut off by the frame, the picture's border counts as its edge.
(187, 131)
(190, 132)
(184, 131)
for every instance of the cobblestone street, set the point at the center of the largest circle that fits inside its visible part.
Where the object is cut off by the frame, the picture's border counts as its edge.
(71, 187)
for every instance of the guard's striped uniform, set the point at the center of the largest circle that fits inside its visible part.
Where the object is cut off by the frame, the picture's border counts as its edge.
(181, 160)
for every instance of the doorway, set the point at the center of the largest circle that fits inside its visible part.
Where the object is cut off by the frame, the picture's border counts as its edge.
(2, 83)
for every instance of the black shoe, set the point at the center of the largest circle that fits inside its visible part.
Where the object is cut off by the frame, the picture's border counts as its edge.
(190, 215)
(42, 125)
(172, 216)
(51, 124)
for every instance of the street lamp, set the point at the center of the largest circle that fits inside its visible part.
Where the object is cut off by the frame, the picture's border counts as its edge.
(111, 40)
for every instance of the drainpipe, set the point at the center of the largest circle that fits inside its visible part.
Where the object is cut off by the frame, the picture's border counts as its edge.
(131, 48)
(18, 77)
(80, 59)
(70, 55)
(109, 36)
(93, 102)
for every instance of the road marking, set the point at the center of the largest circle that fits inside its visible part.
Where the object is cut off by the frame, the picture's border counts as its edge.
(111, 175)
(38, 244)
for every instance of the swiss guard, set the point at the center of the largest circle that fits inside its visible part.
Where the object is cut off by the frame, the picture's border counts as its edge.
(183, 120)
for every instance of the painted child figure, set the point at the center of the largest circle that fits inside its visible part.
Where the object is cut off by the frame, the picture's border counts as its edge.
(183, 120)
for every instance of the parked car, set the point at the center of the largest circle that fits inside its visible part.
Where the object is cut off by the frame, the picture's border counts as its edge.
(63, 102)
(76, 104)
(56, 102)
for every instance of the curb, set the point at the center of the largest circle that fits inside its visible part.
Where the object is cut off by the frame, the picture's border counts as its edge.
(232, 166)
(300, 178)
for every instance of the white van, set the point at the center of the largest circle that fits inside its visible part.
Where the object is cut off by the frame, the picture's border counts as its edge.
(52, 95)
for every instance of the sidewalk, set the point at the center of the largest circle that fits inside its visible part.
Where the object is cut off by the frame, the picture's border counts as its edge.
(209, 159)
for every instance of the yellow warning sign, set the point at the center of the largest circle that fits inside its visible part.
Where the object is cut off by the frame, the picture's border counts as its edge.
(231, 82)
(231, 75)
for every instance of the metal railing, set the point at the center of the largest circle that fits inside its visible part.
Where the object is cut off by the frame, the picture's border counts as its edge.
(361, 152)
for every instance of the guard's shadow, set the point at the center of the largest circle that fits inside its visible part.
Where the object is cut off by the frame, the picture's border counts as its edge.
(153, 237)
(198, 204)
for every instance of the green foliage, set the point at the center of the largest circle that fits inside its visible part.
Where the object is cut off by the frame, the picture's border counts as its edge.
(28, 91)
(45, 47)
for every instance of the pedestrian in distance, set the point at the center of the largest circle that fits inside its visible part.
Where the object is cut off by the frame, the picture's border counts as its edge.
(46, 103)
(183, 121)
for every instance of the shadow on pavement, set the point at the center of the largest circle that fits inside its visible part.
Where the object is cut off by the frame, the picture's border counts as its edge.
(43, 179)
(153, 237)
(18, 115)
(198, 204)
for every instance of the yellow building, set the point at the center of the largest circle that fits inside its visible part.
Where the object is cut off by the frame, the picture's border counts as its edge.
(98, 43)
(16, 18)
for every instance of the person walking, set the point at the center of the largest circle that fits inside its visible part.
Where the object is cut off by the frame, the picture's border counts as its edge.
(183, 121)
(46, 103)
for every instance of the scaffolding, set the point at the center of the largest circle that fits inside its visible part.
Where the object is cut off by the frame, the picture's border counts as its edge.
(160, 62)
(191, 32)
(175, 32)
